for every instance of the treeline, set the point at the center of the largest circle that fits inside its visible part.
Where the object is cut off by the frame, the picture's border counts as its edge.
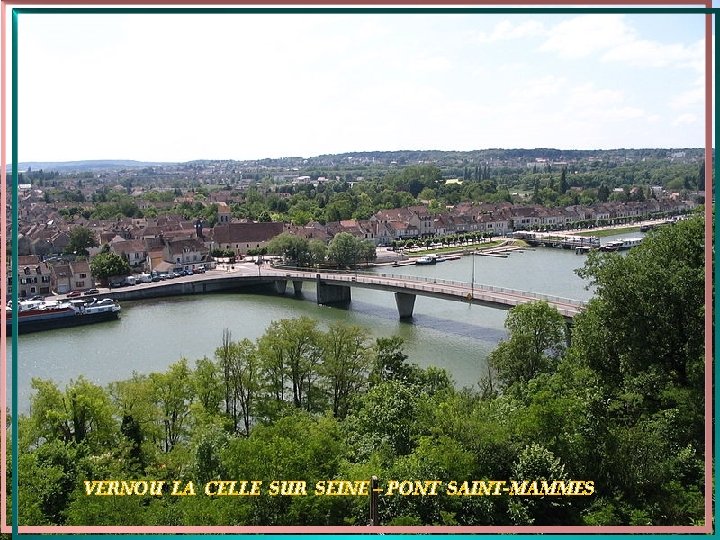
(346, 197)
(621, 405)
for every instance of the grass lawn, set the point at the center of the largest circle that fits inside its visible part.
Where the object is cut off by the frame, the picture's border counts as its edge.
(609, 232)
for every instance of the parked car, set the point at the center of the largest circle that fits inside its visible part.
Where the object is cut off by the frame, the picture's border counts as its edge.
(90, 291)
(73, 294)
(199, 271)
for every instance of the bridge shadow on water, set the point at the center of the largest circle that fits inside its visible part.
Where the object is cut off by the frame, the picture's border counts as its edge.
(419, 320)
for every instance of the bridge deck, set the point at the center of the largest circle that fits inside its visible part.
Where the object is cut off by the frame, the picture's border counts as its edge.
(497, 297)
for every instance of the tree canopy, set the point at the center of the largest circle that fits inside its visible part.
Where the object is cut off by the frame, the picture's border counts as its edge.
(107, 264)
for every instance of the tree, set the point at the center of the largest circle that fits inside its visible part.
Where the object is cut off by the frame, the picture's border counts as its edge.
(643, 334)
(107, 264)
(537, 339)
(603, 193)
(134, 402)
(290, 351)
(83, 414)
(701, 177)
(346, 360)
(536, 463)
(318, 251)
(173, 391)
(390, 362)
(386, 420)
(241, 372)
(346, 250)
(208, 384)
(649, 306)
(81, 238)
(367, 251)
(563, 187)
(223, 356)
(292, 248)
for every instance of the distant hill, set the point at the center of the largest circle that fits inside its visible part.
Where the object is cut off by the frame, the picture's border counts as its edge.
(509, 156)
(89, 165)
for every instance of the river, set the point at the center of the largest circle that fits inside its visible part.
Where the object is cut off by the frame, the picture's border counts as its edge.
(150, 335)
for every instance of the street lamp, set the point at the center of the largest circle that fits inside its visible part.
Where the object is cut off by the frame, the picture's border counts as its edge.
(472, 279)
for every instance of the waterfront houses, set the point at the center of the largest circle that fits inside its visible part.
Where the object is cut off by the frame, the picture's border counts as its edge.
(71, 276)
(241, 237)
(186, 254)
(34, 276)
(172, 240)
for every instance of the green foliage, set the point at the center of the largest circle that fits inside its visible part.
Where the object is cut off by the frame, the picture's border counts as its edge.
(347, 251)
(293, 248)
(651, 303)
(82, 414)
(386, 421)
(346, 360)
(81, 238)
(537, 338)
(107, 264)
(173, 393)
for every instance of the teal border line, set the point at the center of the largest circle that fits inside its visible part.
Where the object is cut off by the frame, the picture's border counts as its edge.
(15, 12)
(14, 272)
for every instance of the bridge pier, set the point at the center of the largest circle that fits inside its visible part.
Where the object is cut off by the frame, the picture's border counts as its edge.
(280, 286)
(405, 304)
(297, 286)
(332, 294)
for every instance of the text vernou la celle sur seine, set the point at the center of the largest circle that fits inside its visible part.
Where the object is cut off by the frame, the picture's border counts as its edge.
(405, 488)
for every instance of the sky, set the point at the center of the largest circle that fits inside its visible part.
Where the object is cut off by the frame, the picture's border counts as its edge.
(183, 87)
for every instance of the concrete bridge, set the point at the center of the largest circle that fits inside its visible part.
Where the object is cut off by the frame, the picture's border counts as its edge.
(335, 287)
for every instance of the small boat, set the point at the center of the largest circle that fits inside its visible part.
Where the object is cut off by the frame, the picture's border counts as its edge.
(611, 246)
(427, 259)
(39, 315)
(628, 243)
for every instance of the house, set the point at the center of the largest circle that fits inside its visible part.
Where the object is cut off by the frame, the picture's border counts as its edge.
(359, 228)
(34, 277)
(524, 217)
(71, 276)
(410, 222)
(240, 237)
(186, 254)
(133, 251)
(311, 231)
(82, 279)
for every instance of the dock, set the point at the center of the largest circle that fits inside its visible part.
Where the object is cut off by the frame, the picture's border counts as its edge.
(558, 240)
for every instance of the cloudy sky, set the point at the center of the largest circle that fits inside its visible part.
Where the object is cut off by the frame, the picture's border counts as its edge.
(184, 87)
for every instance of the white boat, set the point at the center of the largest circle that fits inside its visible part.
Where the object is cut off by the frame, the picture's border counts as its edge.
(426, 259)
(628, 243)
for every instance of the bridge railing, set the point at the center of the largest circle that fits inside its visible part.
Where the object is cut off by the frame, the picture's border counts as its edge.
(375, 277)
(488, 288)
